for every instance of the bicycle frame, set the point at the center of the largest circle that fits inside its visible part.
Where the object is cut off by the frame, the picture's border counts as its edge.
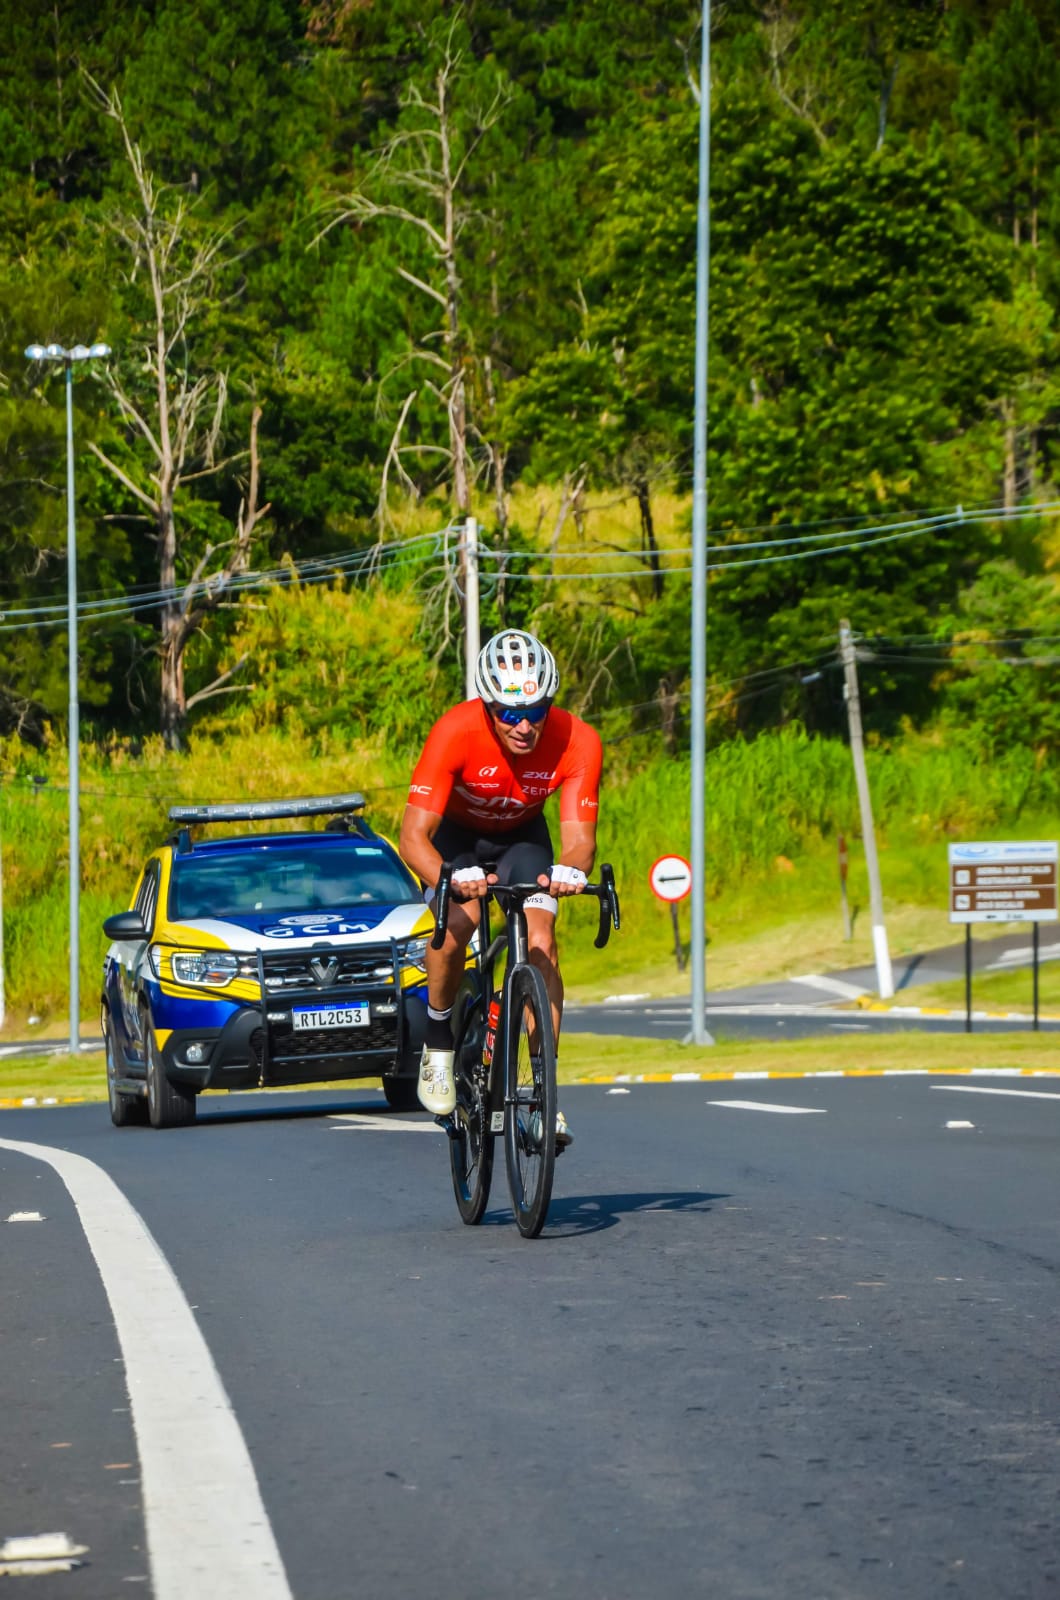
(505, 1093)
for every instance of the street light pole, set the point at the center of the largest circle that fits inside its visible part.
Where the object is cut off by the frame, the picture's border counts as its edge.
(698, 950)
(79, 352)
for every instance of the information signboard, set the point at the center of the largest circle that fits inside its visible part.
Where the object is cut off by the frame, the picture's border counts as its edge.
(1006, 882)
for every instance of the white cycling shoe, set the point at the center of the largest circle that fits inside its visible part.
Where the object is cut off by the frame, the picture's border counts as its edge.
(564, 1136)
(436, 1087)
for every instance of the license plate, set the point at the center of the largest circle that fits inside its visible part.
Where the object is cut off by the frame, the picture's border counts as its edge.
(355, 1016)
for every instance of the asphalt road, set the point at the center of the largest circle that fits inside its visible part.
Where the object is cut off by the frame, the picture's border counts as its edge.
(637, 1018)
(806, 1351)
(815, 1004)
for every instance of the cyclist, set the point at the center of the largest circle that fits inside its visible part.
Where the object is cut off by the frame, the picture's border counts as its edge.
(475, 800)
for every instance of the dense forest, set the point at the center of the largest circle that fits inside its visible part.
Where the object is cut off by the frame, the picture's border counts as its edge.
(368, 267)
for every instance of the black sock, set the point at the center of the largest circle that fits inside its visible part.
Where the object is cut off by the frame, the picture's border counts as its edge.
(439, 1031)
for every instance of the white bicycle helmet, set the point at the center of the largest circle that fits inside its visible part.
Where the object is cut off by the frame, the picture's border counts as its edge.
(515, 669)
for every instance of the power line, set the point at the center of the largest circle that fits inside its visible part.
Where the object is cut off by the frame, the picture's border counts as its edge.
(385, 557)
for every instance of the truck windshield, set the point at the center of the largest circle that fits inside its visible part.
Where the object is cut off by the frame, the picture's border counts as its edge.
(278, 878)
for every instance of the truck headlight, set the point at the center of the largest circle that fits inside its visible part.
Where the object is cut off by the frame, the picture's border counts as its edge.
(204, 969)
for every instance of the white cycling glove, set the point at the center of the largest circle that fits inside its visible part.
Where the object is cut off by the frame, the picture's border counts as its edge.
(572, 875)
(465, 877)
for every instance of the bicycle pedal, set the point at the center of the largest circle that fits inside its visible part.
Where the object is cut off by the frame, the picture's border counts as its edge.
(448, 1122)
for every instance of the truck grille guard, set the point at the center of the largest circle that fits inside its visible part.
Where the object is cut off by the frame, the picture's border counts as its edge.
(369, 972)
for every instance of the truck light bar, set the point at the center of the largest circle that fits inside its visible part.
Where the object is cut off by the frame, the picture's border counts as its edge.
(268, 810)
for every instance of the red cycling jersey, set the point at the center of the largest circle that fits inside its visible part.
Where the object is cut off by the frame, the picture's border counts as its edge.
(466, 774)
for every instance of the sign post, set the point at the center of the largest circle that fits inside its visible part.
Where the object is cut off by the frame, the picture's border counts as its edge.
(671, 880)
(1014, 881)
(844, 862)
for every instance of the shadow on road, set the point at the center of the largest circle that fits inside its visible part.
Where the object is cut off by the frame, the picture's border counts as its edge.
(572, 1215)
(208, 1117)
(909, 977)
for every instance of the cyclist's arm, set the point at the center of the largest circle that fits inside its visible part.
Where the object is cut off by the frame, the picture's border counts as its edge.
(418, 828)
(578, 807)
(416, 848)
(577, 848)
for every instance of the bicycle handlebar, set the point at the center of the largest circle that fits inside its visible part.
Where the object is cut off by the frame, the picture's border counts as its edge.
(604, 891)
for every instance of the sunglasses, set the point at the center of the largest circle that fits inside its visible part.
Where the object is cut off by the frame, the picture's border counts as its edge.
(511, 716)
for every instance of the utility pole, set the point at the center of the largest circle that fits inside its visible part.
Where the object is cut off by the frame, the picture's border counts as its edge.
(848, 655)
(469, 563)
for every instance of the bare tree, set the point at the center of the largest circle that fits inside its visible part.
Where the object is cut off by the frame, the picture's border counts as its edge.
(174, 418)
(420, 178)
(799, 96)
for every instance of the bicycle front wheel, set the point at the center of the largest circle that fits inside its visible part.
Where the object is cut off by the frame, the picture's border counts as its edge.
(530, 1099)
(470, 1141)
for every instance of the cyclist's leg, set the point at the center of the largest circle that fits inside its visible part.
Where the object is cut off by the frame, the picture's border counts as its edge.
(445, 971)
(445, 967)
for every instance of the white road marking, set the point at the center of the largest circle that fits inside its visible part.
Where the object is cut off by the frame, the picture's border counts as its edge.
(34, 1547)
(1024, 952)
(618, 1091)
(208, 1533)
(36, 1569)
(37, 1555)
(1022, 1094)
(351, 1121)
(847, 991)
(760, 1105)
(24, 1216)
(960, 1124)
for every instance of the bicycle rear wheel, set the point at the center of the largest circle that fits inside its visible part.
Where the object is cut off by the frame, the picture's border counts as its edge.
(530, 1099)
(470, 1141)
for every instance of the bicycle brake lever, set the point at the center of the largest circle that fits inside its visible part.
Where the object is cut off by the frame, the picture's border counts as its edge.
(607, 877)
(608, 898)
(441, 907)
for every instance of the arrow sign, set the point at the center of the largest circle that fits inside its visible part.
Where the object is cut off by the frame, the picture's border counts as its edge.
(671, 878)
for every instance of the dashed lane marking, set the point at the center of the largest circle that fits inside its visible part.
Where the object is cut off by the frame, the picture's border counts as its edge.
(980, 1088)
(352, 1121)
(761, 1105)
(836, 986)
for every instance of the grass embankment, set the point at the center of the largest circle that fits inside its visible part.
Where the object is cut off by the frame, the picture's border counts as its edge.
(774, 809)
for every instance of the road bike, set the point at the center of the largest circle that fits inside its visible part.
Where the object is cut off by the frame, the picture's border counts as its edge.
(505, 1057)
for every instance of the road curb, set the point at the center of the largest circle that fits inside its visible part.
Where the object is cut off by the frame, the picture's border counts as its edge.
(864, 1004)
(36, 1102)
(844, 1072)
(32, 1103)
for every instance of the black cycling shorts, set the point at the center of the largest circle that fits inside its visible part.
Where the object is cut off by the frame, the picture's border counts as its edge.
(519, 856)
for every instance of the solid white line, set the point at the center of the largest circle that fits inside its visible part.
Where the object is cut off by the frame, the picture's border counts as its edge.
(848, 991)
(352, 1120)
(760, 1105)
(208, 1533)
(1023, 1094)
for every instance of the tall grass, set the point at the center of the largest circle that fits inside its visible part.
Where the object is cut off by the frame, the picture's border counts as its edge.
(778, 797)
